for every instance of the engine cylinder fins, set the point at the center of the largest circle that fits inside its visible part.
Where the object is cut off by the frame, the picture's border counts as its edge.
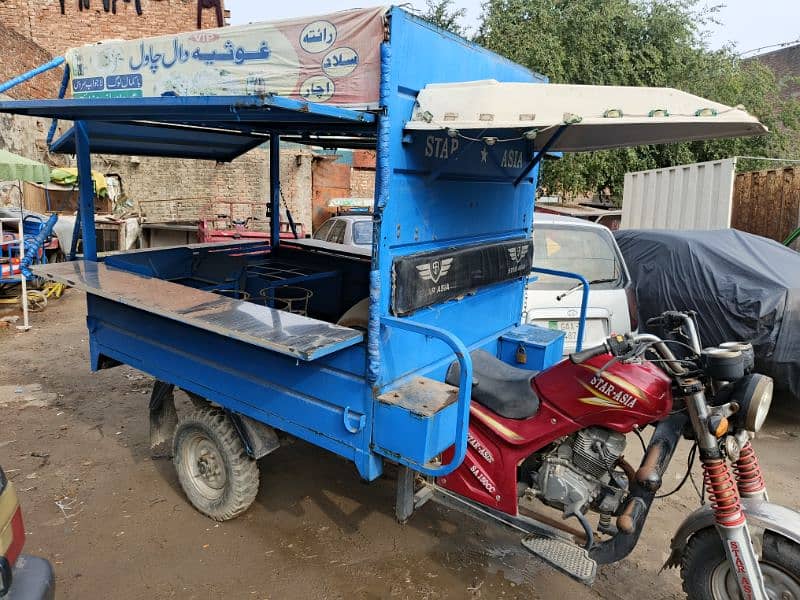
(596, 450)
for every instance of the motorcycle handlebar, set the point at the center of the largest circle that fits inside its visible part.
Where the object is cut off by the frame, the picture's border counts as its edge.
(584, 355)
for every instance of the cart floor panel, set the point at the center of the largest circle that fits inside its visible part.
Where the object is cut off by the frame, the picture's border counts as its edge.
(280, 331)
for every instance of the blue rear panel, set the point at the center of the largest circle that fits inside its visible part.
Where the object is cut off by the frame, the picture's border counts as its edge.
(445, 192)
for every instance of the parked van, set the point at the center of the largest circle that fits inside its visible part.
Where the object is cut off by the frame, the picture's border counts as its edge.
(587, 248)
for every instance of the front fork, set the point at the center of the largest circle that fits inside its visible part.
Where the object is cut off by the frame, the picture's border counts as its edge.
(724, 495)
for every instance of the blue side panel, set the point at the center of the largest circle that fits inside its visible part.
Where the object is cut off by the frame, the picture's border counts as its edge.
(531, 347)
(319, 402)
(446, 191)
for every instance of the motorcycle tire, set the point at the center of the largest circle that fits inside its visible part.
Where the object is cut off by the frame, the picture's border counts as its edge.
(706, 574)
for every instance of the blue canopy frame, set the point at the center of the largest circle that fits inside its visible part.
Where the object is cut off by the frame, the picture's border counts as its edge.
(218, 128)
(434, 192)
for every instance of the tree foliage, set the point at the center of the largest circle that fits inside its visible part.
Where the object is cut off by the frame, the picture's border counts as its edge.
(442, 14)
(634, 42)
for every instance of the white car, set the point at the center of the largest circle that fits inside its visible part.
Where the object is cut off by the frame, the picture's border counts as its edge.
(589, 249)
(350, 230)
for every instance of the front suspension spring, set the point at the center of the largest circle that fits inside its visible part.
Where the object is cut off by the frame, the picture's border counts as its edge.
(749, 479)
(722, 493)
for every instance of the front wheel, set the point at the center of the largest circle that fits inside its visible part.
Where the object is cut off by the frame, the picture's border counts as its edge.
(215, 472)
(707, 575)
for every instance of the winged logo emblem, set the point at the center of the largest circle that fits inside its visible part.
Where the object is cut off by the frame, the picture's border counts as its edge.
(435, 270)
(517, 253)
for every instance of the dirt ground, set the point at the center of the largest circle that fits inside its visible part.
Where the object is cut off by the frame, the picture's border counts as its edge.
(115, 524)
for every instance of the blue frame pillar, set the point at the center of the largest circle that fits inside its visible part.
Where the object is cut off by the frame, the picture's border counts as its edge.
(275, 189)
(86, 191)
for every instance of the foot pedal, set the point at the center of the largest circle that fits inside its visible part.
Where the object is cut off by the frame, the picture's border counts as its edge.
(565, 556)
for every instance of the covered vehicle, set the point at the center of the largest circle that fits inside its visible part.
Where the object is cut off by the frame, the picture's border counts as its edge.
(742, 286)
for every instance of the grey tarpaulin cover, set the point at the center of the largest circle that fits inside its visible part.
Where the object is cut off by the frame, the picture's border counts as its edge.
(744, 288)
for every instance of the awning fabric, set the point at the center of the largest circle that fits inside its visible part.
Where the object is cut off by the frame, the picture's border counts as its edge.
(598, 117)
(16, 167)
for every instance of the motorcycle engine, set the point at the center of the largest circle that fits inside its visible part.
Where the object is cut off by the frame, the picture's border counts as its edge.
(577, 474)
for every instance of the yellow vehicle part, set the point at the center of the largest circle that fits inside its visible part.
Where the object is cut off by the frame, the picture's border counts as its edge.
(8, 506)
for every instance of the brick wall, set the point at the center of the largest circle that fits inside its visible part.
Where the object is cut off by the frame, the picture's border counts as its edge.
(42, 22)
(26, 55)
(786, 65)
(362, 183)
(166, 189)
(362, 177)
(184, 190)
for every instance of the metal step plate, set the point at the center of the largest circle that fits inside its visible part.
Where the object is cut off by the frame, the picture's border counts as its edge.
(565, 556)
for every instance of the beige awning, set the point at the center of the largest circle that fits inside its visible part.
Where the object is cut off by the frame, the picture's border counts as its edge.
(598, 116)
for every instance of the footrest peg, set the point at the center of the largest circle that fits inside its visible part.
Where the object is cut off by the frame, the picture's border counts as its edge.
(565, 556)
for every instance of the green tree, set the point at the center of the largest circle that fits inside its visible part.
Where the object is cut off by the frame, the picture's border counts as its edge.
(645, 43)
(442, 14)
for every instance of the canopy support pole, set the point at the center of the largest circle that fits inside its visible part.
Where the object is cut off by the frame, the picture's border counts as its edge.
(86, 191)
(537, 158)
(275, 189)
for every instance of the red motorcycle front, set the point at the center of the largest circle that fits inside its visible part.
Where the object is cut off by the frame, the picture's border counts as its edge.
(556, 438)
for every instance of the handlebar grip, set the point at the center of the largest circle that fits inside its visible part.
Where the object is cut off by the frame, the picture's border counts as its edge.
(584, 355)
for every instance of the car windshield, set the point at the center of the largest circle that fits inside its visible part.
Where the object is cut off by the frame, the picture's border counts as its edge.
(362, 233)
(584, 250)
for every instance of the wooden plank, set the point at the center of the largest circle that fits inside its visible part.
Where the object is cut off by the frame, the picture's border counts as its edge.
(783, 216)
(791, 215)
(767, 202)
(755, 192)
(772, 205)
(738, 200)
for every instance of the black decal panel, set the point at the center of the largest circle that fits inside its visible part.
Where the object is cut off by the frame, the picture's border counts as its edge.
(421, 280)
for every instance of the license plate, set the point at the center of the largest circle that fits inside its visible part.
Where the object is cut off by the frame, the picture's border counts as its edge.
(570, 329)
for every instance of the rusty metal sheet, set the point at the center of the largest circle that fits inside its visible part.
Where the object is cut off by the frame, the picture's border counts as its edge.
(283, 332)
(421, 396)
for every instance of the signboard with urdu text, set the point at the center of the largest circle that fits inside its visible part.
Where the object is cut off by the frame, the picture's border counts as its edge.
(332, 58)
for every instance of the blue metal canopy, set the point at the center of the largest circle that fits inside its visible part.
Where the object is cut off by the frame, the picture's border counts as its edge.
(161, 140)
(206, 127)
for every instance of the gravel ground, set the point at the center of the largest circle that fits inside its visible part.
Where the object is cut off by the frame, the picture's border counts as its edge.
(115, 524)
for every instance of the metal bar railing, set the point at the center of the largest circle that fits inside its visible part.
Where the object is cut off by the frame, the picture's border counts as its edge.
(584, 300)
(464, 391)
(58, 61)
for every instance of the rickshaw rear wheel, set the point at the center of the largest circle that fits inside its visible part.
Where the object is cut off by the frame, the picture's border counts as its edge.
(706, 573)
(215, 472)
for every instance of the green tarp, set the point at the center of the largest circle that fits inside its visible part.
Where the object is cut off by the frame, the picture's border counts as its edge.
(13, 166)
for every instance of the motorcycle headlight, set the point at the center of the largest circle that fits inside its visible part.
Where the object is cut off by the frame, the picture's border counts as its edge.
(754, 395)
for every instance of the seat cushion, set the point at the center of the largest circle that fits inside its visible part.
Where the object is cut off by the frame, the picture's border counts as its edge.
(498, 386)
(357, 316)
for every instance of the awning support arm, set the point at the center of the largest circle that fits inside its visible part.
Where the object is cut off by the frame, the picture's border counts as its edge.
(540, 154)
(275, 189)
(85, 191)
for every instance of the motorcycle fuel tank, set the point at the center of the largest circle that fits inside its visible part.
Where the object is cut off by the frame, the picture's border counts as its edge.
(618, 397)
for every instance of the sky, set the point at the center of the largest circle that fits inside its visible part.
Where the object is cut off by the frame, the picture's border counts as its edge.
(747, 24)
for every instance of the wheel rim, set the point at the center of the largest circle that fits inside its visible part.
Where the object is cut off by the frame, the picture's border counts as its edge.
(780, 584)
(202, 461)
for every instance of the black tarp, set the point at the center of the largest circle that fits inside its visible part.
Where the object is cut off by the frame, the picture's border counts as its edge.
(744, 288)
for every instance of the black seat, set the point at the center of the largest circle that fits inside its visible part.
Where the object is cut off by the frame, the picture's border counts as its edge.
(498, 386)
